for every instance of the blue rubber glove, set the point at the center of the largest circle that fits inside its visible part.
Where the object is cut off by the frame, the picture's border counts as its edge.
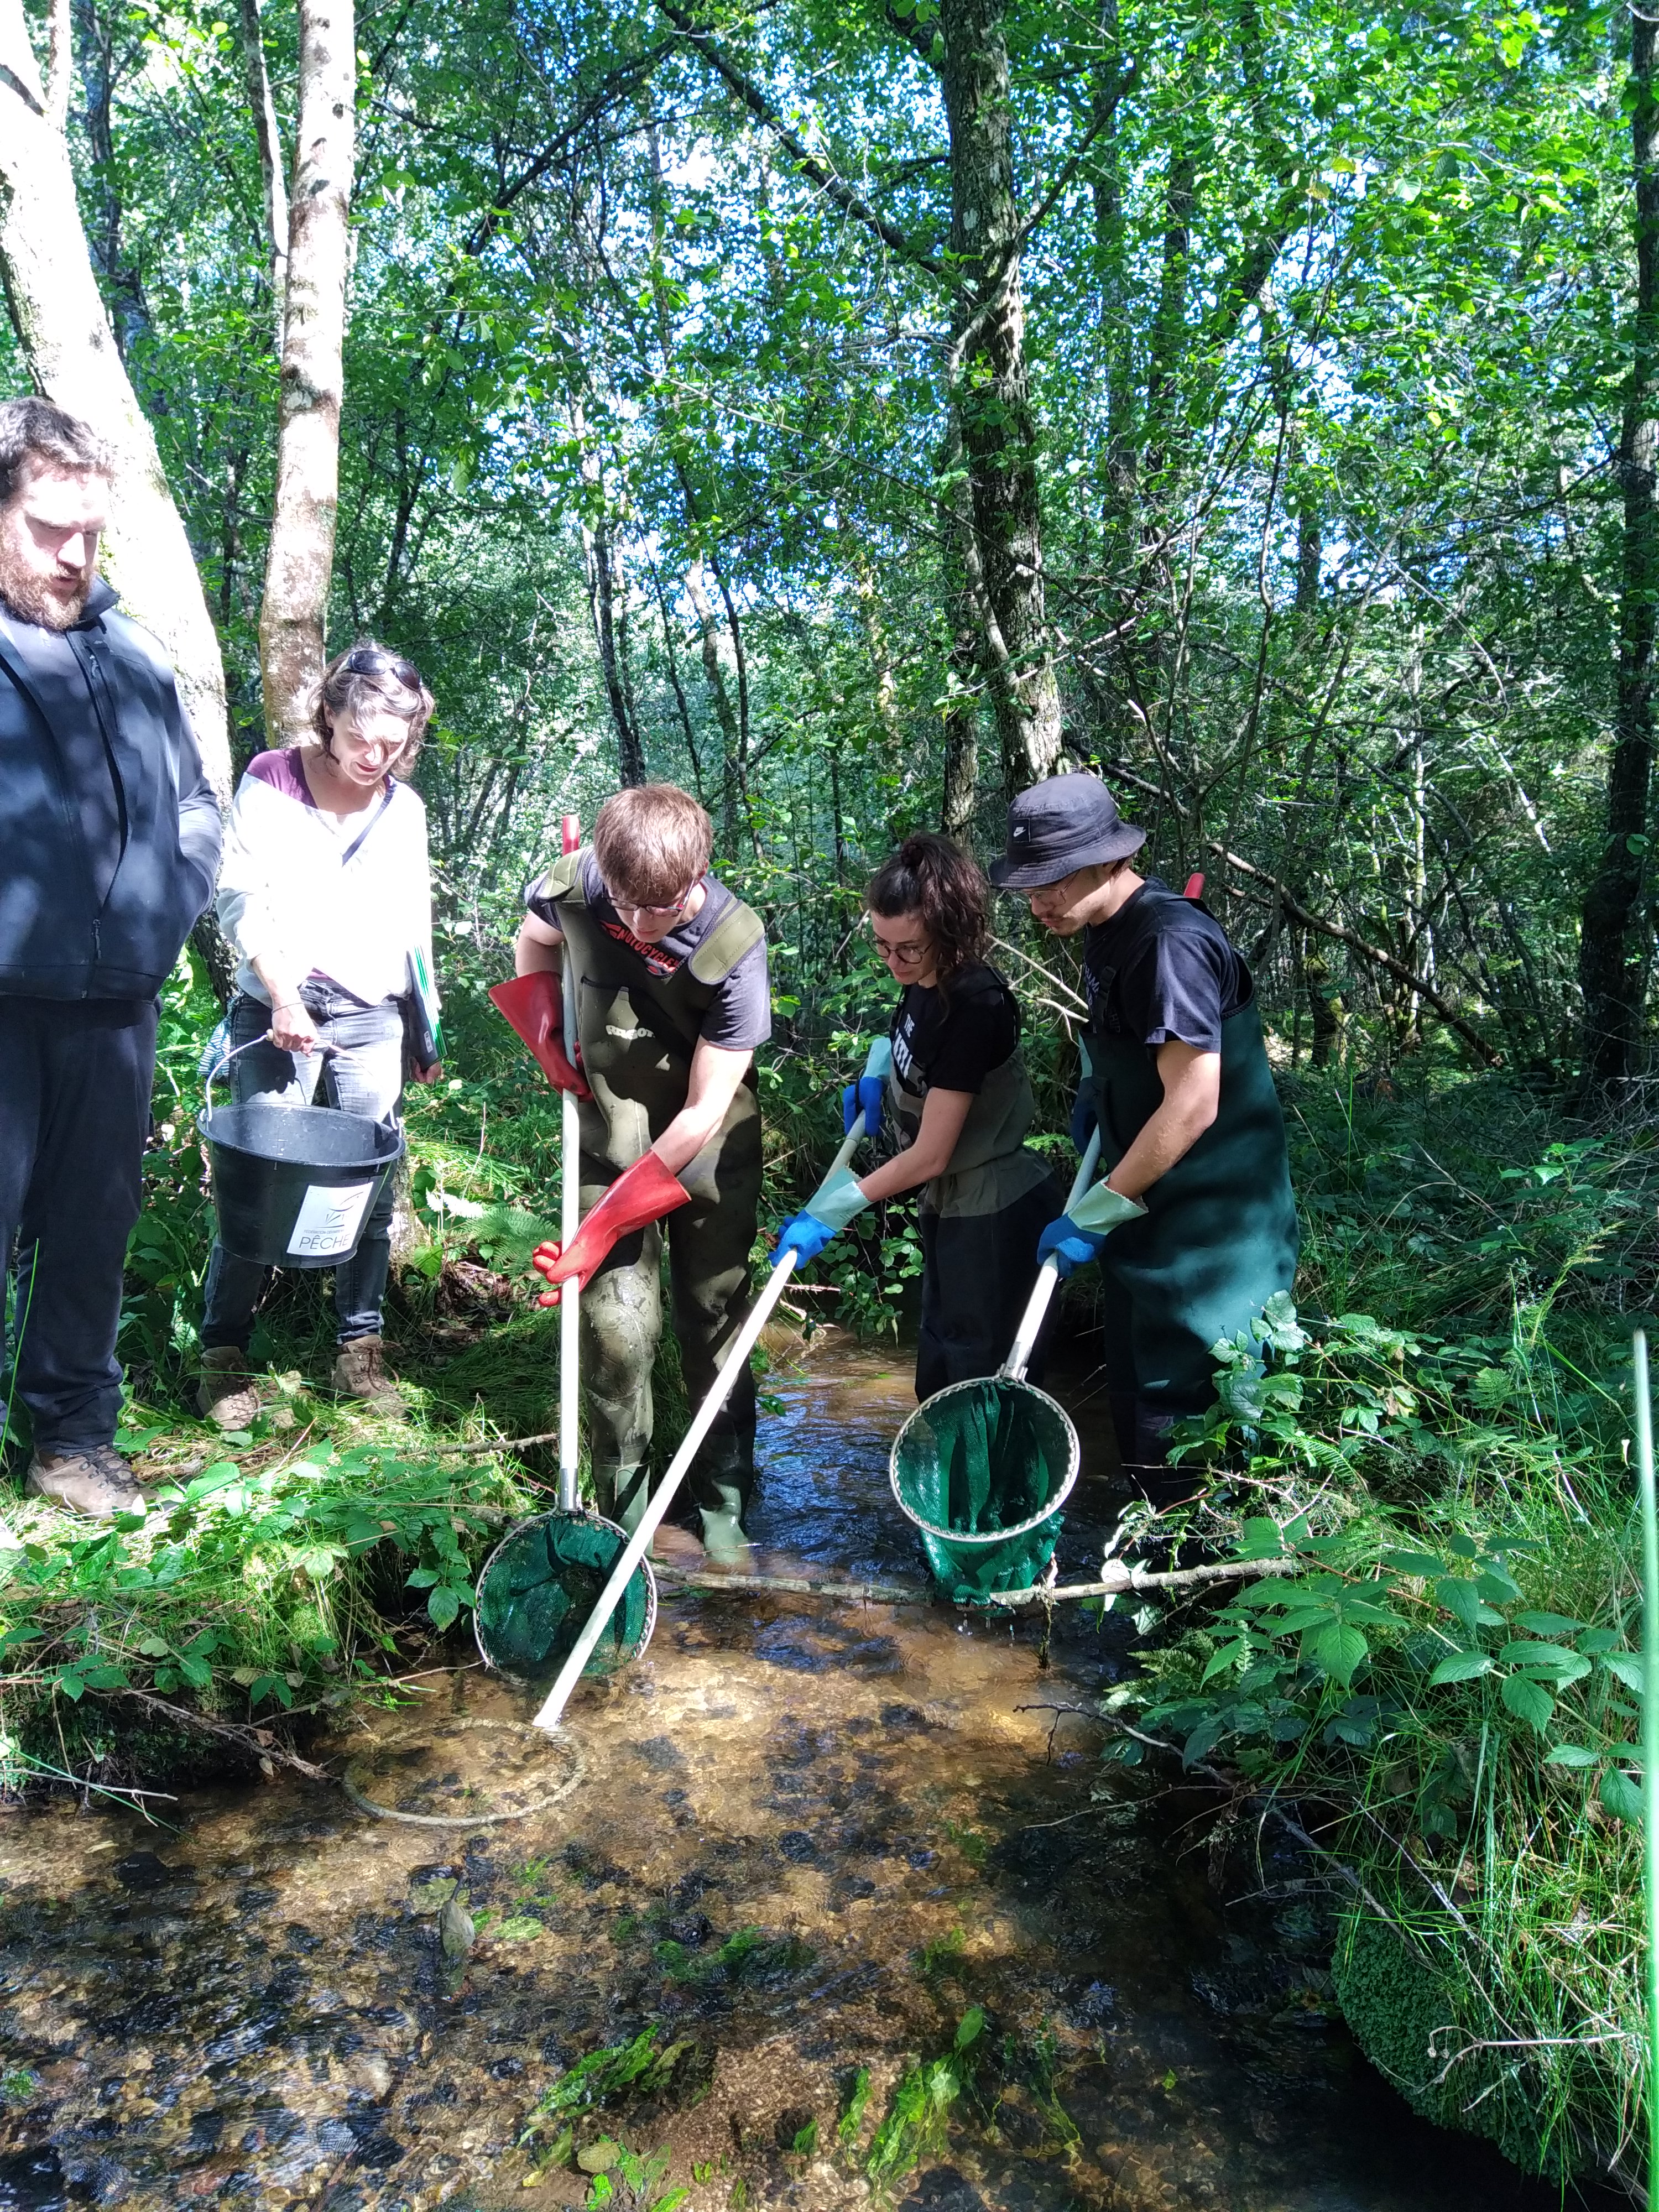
(868, 1095)
(1073, 1248)
(1084, 1120)
(803, 1233)
(1075, 1241)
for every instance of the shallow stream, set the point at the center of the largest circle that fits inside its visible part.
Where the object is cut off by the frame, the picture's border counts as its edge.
(809, 1840)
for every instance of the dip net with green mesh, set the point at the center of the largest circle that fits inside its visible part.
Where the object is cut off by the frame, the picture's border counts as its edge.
(982, 1468)
(540, 1585)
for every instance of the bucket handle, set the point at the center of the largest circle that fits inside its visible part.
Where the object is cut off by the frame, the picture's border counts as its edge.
(327, 1051)
(1014, 1368)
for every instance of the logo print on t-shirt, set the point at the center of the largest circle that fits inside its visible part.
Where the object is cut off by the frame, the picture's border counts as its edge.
(658, 961)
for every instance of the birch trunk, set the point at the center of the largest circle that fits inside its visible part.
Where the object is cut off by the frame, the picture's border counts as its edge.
(71, 354)
(293, 621)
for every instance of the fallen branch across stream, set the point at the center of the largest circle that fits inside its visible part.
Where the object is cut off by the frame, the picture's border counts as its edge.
(1118, 1576)
(797, 1585)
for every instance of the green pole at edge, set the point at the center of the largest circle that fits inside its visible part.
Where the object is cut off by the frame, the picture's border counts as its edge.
(1649, 1738)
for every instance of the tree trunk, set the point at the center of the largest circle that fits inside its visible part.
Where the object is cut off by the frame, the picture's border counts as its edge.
(71, 355)
(720, 698)
(961, 794)
(1610, 968)
(989, 390)
(1169, 333)
(263, 111)
(1111, 262)
(299, 570)
(599, 561)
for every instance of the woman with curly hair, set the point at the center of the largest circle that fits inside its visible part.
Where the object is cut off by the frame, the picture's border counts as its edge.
(950, 1073)
(326, 899)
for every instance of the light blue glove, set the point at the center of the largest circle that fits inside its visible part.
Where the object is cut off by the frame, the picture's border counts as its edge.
(837, 1199)
(1077, 1238)
(831, 1207)
(803, 1235)
(868, 1095)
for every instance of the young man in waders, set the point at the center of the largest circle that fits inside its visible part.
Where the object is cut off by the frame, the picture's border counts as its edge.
(1176, 1076)
(673, 998)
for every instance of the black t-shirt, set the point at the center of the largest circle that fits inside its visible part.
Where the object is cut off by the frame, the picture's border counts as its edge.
(1162, 967)
(952, 1042)
(739, 1017)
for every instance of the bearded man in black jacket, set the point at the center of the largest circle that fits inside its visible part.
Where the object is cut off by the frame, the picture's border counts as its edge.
(109, 847)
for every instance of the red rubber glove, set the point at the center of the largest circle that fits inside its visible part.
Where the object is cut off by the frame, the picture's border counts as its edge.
(531, 1004)
(641, 1194)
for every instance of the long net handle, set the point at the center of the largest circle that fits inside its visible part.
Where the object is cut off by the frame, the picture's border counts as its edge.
(1037, 1306)
(569, 1220)
(662, 1498)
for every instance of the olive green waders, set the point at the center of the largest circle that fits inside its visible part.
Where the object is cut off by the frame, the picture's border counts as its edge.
(979, 1224)
(1218, 1239)
(638, 1032)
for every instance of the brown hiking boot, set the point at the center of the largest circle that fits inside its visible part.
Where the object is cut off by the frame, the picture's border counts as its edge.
(361, 1372)
(93, 1480)
(226, 1395)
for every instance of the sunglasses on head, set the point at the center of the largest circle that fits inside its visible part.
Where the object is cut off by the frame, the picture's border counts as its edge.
(370, 660)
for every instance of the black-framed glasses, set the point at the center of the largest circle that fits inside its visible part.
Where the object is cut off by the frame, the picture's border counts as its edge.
(656, 912)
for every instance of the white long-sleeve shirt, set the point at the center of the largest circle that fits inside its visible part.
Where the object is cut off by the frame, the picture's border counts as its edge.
(289, 897)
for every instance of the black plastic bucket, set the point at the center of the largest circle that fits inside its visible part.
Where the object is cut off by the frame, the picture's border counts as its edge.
(293, 1185)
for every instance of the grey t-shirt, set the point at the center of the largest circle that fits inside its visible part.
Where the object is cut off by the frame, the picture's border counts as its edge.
(739, 1017)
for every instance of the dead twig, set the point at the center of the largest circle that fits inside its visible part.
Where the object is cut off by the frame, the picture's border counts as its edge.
(258, 1743)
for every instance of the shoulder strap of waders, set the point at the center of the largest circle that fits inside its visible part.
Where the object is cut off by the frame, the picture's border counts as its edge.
(564, 880)
(735, 935)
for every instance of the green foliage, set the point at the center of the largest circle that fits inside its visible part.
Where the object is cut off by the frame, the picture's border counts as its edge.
(1446, 1663)
(246, 1587)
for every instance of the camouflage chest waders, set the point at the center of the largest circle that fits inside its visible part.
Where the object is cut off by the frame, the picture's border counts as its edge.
(980, 1220)
(1218, 1239)
(638, 1032)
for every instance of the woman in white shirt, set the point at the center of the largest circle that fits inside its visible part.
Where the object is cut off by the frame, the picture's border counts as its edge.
(324, 895)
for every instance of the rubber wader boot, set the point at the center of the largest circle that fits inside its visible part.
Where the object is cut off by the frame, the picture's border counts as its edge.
(361, 1373)
(722, 1527)
(621, 1493)
(224, 1394)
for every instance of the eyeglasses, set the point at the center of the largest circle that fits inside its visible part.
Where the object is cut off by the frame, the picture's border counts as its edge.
(656, 912)
(907, 953)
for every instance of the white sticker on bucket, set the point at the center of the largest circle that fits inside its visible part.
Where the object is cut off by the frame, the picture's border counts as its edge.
(330, 1217)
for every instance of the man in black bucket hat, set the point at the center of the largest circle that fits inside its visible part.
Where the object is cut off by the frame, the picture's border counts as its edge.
(1175, 1075)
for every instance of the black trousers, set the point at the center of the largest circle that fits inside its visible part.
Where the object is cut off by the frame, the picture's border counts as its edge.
(977, 1273)
(75, 1086)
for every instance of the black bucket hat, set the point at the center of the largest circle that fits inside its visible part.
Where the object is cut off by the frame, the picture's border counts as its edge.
(1070, 821)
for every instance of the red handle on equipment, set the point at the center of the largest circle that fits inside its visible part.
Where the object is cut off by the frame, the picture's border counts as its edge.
(1194, 888)
(570, 833)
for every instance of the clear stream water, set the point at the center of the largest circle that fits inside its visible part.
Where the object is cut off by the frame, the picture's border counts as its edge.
(250, 2006)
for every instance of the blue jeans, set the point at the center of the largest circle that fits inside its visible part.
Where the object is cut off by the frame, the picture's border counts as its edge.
(367, 1077)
